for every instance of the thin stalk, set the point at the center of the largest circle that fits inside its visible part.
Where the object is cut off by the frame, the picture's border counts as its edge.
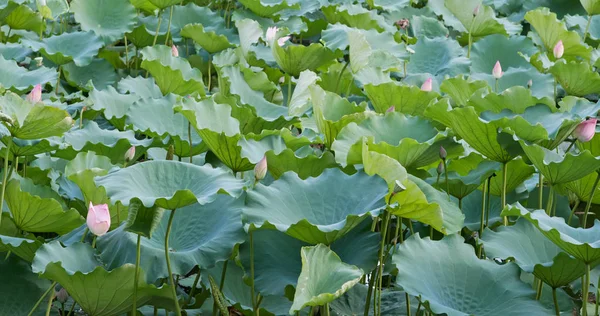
(171, 281)
(72, 309)
(190, 139)
(7, 255)
(407, 297)
(541, 188)
(5, 170)
(573, 212)
(155, 311)
(405, 69)
(289, 96)
(470, 43)
(223, 273)
(340, 76)
(49, 307)
(419, 307)
(42, 29)
(586, 287)
(137, 274)
(252, 292)
(126, 51)
(62, 309)
(58, 80)
(446, 177)
(496, 85)
(326, 309)
(597, 296)
(209, 73)
(42, 298)
(369, 292)
(556, 308)
(503, 200)
(571, 145)
(118, 214)
(169, 28)
(487, 207)
(587, 27)
(379, 283)
(157, 27)
(482, 210)
(550, 201)
(193, 290)
(587, 205)
(94, 241)
(538, 292)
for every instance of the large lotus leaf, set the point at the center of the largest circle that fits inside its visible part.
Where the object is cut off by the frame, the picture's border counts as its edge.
(582, 188)
(304, 166)
(23, 247)
(294, 59)
(366, 61)
(99, 74)
(113, 104)
(517, 171)
(109, 19)
(299, 103)
(33, 213)
(324, 277)
(356, 16)
(577, 78)
(405, 99)
(559, 169)
(471, 207)
(142, 37)
(466, 174)
(143, 220)
(429, 269)
(551, 30)
(169, 184)
(423, 203)
(34, 121)
(461, 90)
(533, 252)
(20, 147)
(484, 23)
(336, 37)
(254, 147)
(23, 18)
(201, 235)
(210, 40)
(542, 84)
(591, 6)
(412, 141)
(163, 4)
(326, 210)
(78, 47)
(172, 74)
(268, 8)
(13, 51)
(278, 262)
(516, 99)
(423, 26)
(19, 78)
(143, 87)
(494, 48)
(438, 57)
(99, 292)
(20, 288)
(384, 166)
(393, 302)
(578, 242)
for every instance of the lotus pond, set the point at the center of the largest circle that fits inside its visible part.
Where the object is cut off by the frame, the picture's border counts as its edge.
(299, 157)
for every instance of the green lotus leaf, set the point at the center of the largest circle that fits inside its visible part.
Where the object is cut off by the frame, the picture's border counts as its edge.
(533, 252)
(353, 302)
(113, 104)
(25, 248)
(201, 235)
(268, 8)
(33, 121)
(471, 207)
(144, 5)
(143, 87)
(20, 287)
(294, 59)
(494, 48)
(304, 166)
(254, 147)
(591, 6)
(438, 57)
(542, 84)
(37, 214)
(412, 141)
(516, 99)
(384, 166)
(13, 51)
(389, 5)
(358, 247)
(300, 101)
(57, 8)
(423, 26)
(142, 37)
(109, 143)
(559, 169)
(461, 90)
(172, 74)
(484, 23)
(551, 30)
(517, 171)
(23, 18)
(582, 188)
(423, 203)
(405, 99)
(163, 4)
(465, 175)
(210, 40)
(366, 62)
(78, 47)
(577, 78)
(109, 19)
(355, 16)
(19, 78)
(578, 242)
(23, 148)
(428, 269)
(194, 184)
(98, 291)
(143, 220)
(99, 74)
(310, 218)
(324, 277)
(337, 37)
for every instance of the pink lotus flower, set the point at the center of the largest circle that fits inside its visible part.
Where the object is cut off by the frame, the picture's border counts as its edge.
(443, 153)
(271, 33)
(427, 85)
(559, 49)
(174, 51)
(282, 40)
(260, 170)
(476, 10)
(35, 95)
(497, 71)
(391, 109)
(129, 154)
(586, 130)
(98, 219)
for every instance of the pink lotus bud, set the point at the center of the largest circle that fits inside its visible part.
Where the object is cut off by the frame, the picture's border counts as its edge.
(129, 154)
(390, 109)
(476, 10)
(497, 71)
(98, 219)
(282, 40)
(62, 295)
(260, 170)
(174, 51)
(427, 85)
(35, 95)
(440, 168)
(559, 49)
(443, 153)
(529, 83)
(271, 33)
(586, 130)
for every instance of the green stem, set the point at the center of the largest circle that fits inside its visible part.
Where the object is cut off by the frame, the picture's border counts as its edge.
(94, 241)
(589, 202)
(446, 177)
(42, 298)
(369, 292)
(470, 43)
(136, 275)
(157, 27)
(538, 292)
(118, 215)
(190, 139)
(58, 80)
(223, 273)
(597, 296)
(209, 73)
(337, 84)
(326, 309)
(556, 309)
(72, 309)
(193, 290)
(252, 292)
(49, 307)
(496, 86)
(487, 207)
(6, 158)
(541, 188)
(555, 93)
(407, 297)
(587, 28)
(573, 212)
(126, 52)
(482, 210)
(550, 201)
(585, 289)
(379, 283)
(571, 145)
(171, 281)
(503, 200)
(169, 27)
(289, 96)
(85, 231)
(7, 255)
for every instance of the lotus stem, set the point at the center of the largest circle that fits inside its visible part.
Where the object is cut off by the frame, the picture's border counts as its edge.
(482, 210)
(94, 241)
(470, 43)
(538, 292)
(555, 93)
(573, 212)
(571, 145)
(137, 274)
(49, 307)
(126, 51)
(597, 295)
(6, 158)
(118, 215)
(289, 96)
(337, 84)
(169, 28)
(489, 198)
(446, 177)
(59, 70)
(72, 308)
(193, 290)
(384, 229)
(7, 255)
(503, 200)
(369, 292)
(407, 298)
(171, 281)
(550, 201)
(42, 298)
(556, 308)
(589, 202)
(541, 188)
(585, 289)
(587, 28)
(209, 73)
(190, 139)
(223, 273)
(85, 231)
(157, 27)
(252, 292)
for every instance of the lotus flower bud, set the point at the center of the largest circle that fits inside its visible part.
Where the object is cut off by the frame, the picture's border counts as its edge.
(260, 170)
(398, 187)
(35, 95)
(98, 219)
(443, 153)
(174, 51)
(497, 71)
(42, 2)
(585, 131)
(391, 109)
(402, 24)
(440, 168)
(529, 84)
(282, 40)
(559, 49)
(39, 61)
(476, 10)
(427, 85)
(129, 154)
(62, 295)
(271, 33)
(410, 50)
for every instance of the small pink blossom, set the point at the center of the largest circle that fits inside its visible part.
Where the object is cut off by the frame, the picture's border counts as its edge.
(35, 95)
(260, 170)
(586, 130)
(391, 109)
(98, 219)
(129, 154)
(174, 51)
(497, 71)
(427, 85)
(559, 49)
